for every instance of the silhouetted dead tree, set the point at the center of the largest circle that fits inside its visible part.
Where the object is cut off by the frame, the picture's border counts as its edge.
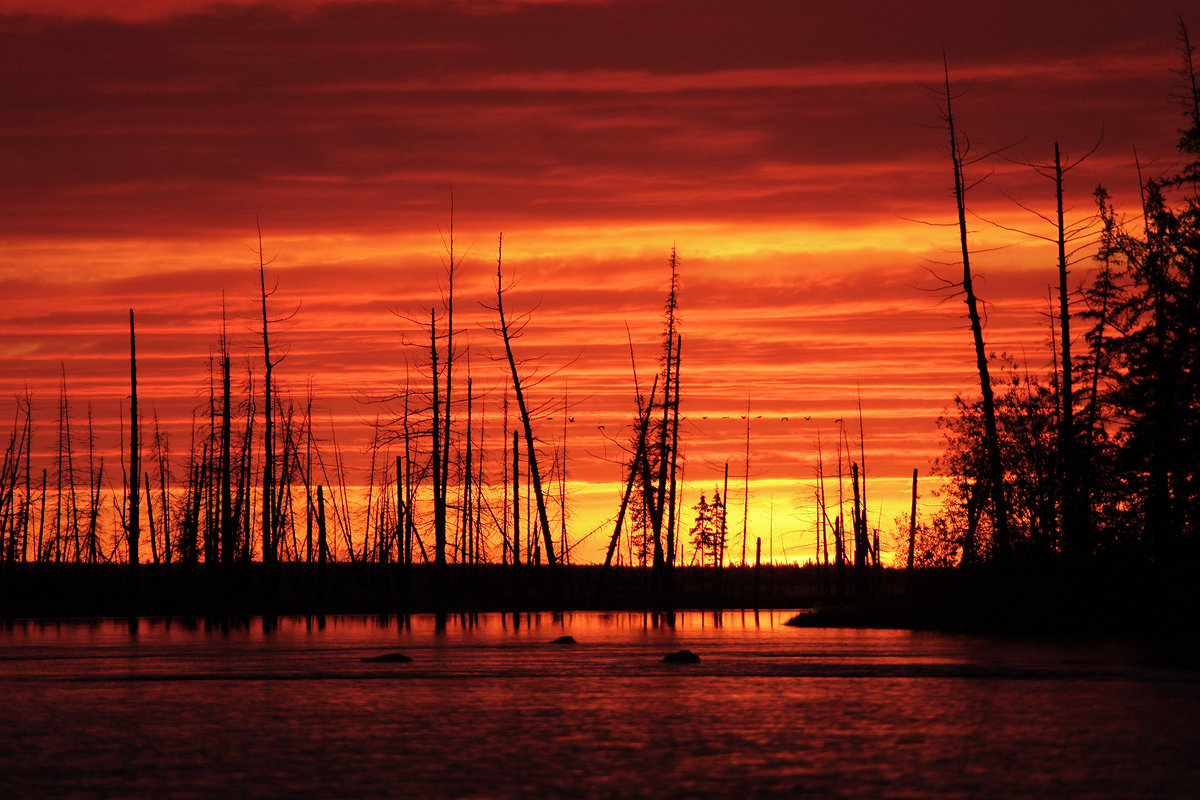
(516, 499)
(673, 488)
(508, 333)
(912, 524)
(1071, 445)
(225, 465)
(95, 484)
(663, 493)
(638, 463)
(839, 523)
(466, 512)
(439, 479)
(443, 488)
(163, 457)
(959, 159)
(189, 540)
(134, 479)
(823, 524)
(243, 499)
(14, 507)
(1074, 509)
(861, 545)
(651, 490)
(268, 470)
(66, 519)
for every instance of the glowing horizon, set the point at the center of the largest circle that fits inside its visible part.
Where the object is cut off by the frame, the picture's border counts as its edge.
(800, 176)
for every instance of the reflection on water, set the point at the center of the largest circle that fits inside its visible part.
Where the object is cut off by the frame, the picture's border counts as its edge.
(490, 707)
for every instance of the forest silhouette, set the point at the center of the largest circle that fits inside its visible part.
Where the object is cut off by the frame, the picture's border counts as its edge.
(1056, 487)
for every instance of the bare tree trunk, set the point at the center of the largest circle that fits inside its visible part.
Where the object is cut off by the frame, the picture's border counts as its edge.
(1002, 539)
(409, 520)
(912, 524)
(309, 500)
(439, 497)
(196, 496)
(244, 499)
(861, 545)
(516, 499)
(563, 548)
(746, 488)
(228, 521)
(443, 488)
(506, 548)
(674, 469)
(37, 557)
(322, 540)
(27, 515)
(534, 472)
(662, 504)
(28, 484)
(163, 456)
(95, 480)
(839, 526)
(639, 459)
(724, 519)
(1071, 544)
(133, 492)
(403, 555)
(823, 518)
(150, 521)
(467, 537)
(480, 497)
(268, 478)
(873, 553)
(656, 491)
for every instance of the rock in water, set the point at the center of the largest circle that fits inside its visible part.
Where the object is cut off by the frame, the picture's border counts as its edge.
(681, 657)
(389, 658)
(564, 640)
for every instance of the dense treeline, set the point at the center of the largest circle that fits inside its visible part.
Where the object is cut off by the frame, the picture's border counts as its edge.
(1099, 457)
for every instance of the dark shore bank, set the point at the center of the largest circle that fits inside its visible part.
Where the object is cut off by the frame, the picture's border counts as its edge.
(1049, 601)
(1157, 605)
(68, 590)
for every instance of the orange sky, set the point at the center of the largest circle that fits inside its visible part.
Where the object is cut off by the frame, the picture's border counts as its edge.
(785, 150)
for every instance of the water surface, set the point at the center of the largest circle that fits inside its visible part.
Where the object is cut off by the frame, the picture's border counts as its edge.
(489, 707)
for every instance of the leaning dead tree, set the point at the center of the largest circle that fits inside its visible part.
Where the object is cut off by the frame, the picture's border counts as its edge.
(509, 332)
(637, 462)
(959, 158)
(651, 484)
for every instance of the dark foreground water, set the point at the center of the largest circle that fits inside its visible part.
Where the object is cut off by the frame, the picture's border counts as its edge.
(489, 708)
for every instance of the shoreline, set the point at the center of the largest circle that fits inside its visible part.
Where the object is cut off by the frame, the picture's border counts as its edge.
(1158, 605)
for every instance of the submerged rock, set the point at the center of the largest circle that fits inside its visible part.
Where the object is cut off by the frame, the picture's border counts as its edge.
(388, 658)
(564, 640)
(681, 657)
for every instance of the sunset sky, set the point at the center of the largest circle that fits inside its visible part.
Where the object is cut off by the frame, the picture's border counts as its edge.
(793, 153)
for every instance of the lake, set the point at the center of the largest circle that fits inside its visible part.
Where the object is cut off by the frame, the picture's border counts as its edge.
(489, 707)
